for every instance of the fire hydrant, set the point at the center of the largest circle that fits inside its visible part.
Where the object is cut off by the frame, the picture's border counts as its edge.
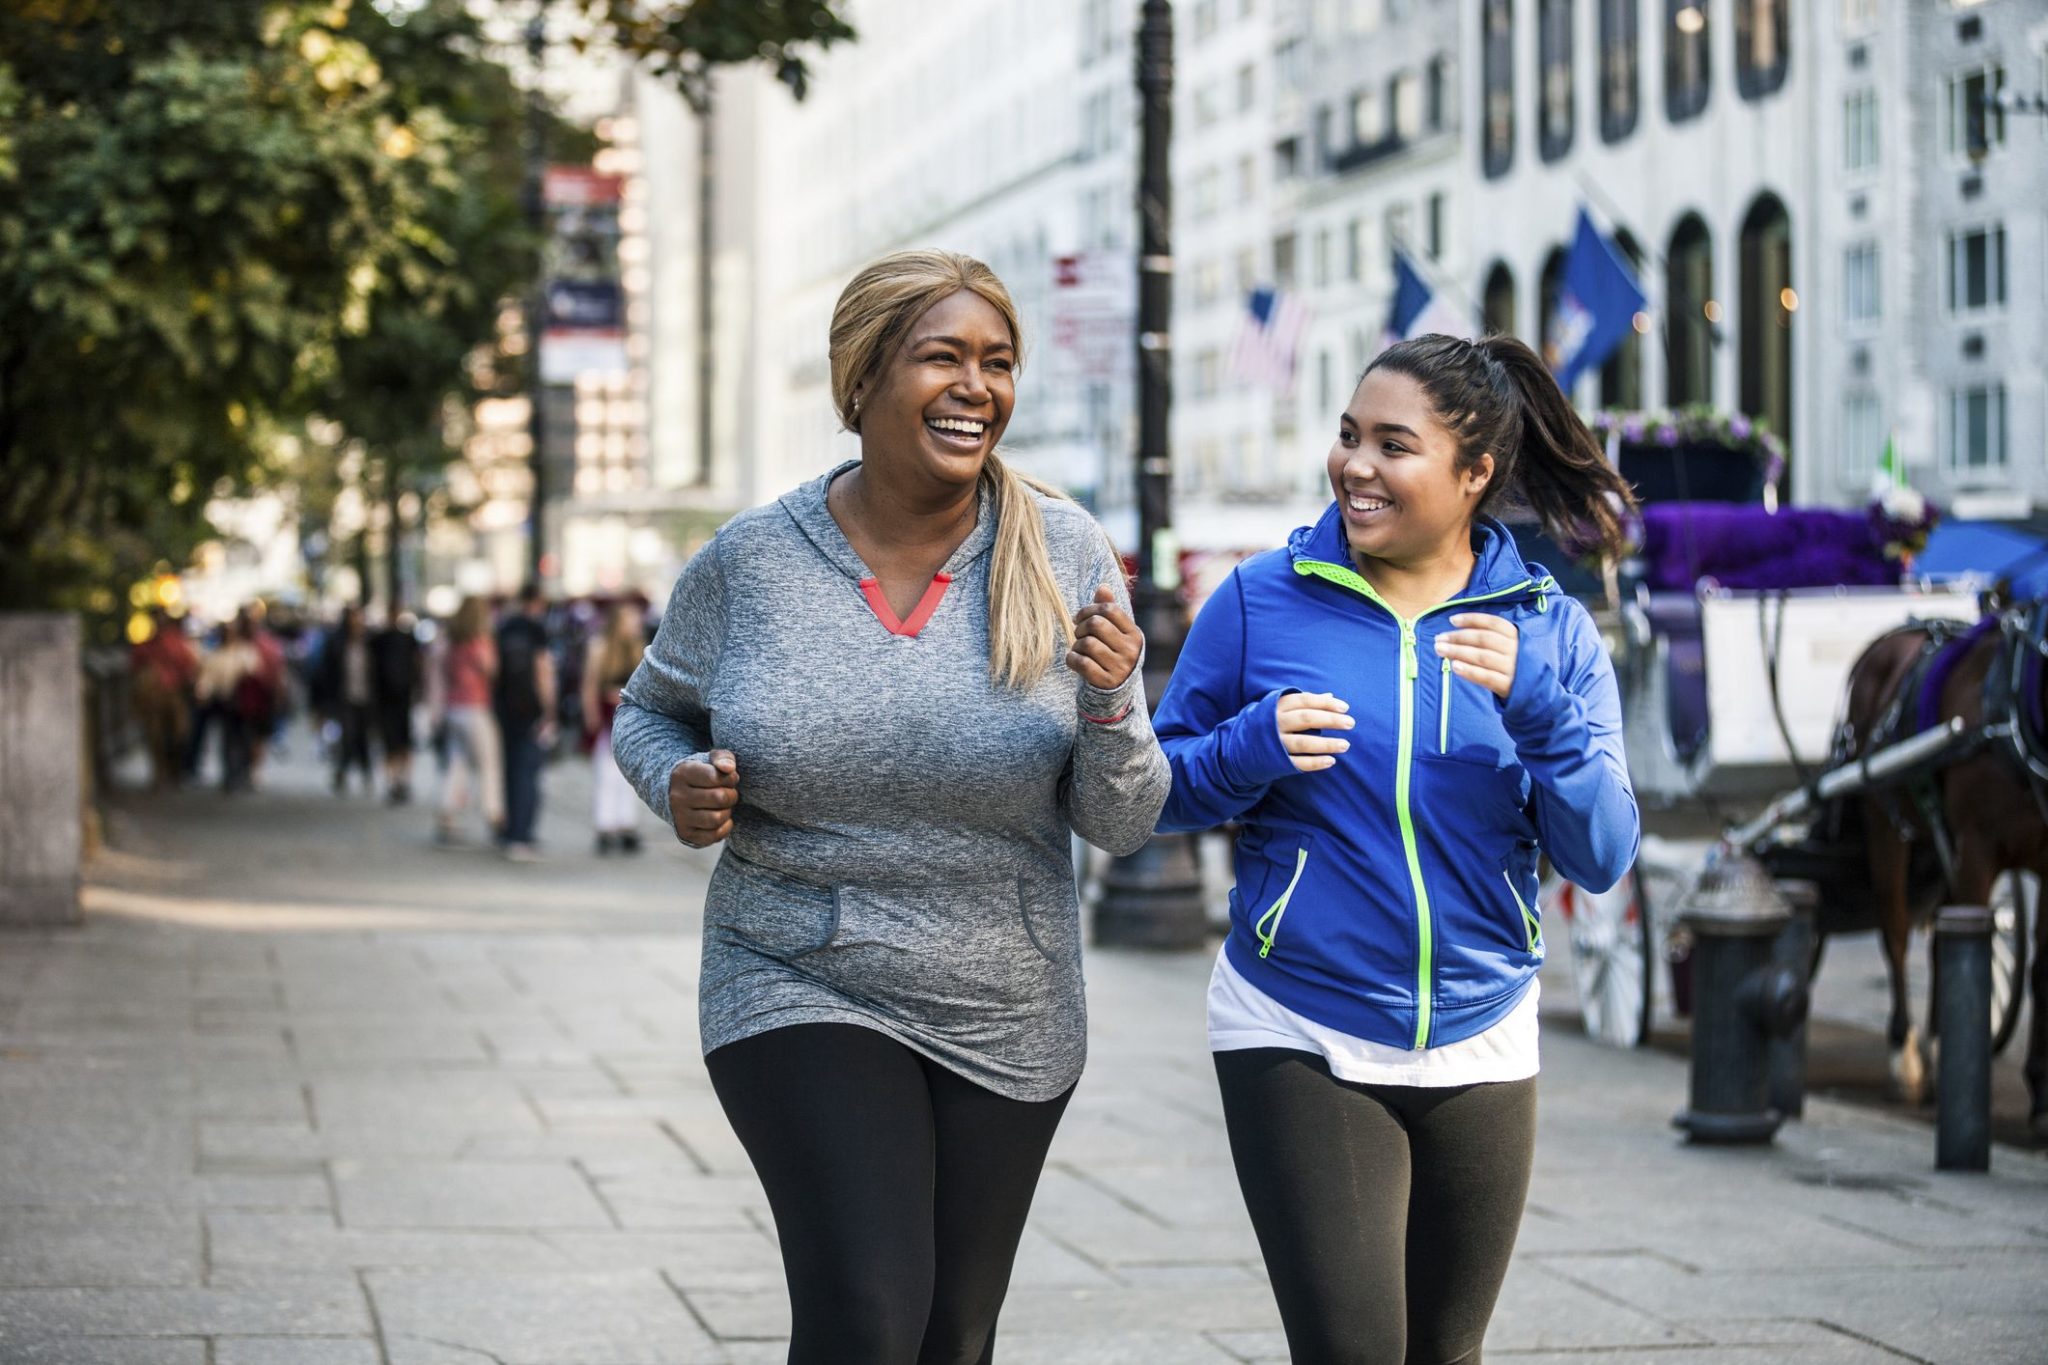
(1743, 999)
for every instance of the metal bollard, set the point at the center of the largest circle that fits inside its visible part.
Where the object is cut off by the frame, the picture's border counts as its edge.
(1793, 950)
(1742, 1000)
(1962, 965)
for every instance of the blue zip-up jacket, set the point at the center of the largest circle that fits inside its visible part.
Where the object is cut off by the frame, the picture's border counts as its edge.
(1393, 896)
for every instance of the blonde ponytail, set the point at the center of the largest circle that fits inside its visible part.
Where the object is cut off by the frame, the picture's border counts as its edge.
(1026, 611)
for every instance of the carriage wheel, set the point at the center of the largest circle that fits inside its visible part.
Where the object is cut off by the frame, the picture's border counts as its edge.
(1611, 957)
(2015, 899)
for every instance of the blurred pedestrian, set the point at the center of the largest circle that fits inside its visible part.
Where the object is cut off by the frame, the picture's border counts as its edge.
(273, 670)
(524, 700)
(165, 671)
(901, 690)
(344, 691)
(394, 688)
(231, 686)
(610, 660)
(467, 729)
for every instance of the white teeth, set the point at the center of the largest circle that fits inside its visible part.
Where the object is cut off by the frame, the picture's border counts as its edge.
(962, 425)
(1368, 504)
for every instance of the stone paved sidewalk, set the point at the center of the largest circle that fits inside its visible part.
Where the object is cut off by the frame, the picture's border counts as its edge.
(307, 1091)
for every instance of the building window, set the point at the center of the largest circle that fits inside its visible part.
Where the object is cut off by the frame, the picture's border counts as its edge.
(1975, 437)
(1208, 282)
(1497, 143)
(1687, 71)
(1554, 58)
(1247, 179)
(1692, 314)
(1859, 131)
(1354, 250)
(1862, 438)
(1435, 226)
(1283, 260)
(1207, 108)
(1859, 17)
(1860, 298)
(1287, 159)
(1760, 39)
(1549, 290)
(1208, 193)
(1247, 88)
(1767, 307)
(1322, 258)
(1976, 269)
(1437, 113)
(1205, 19)
(1619, 89)
(1208, 373)
(1367, 118)
(1976, 123)
(1247, 270)
(1397, 226)
(1407, 97)
(1497, 303)
(1324, 381)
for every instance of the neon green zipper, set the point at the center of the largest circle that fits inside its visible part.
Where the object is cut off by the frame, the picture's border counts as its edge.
(1404, 760)
(1443, 714)
(1529, 923)
(1278, 909)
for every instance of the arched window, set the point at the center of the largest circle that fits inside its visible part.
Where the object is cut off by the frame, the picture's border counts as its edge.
(1554, 123)
(1768, 308)
(1549, 286)
(1497, 69)
(1691, 314)
(1621, 378)
(1497, 306)
(1686, 66)
(1620, 85)
(1760, 37)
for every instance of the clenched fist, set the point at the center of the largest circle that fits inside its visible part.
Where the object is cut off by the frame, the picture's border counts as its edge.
(1107, 642)
(702, 796)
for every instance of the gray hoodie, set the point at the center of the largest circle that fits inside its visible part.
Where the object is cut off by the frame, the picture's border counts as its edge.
(900, 857)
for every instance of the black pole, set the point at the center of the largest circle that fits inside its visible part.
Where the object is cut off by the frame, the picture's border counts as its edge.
(536, 296)
(1962, 991)
(1153, 898)
(707, 356)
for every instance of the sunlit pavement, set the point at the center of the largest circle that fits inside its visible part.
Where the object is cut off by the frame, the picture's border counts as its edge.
(308, 1090)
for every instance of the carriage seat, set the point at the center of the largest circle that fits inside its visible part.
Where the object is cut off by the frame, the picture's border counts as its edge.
(1743, 546)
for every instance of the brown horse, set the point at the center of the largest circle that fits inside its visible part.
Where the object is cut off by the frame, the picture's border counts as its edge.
(1994, 821)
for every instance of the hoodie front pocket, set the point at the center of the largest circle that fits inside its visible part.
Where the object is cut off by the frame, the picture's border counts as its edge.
(961, 951)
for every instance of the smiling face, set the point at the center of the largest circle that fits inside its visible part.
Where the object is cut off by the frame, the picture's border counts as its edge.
(1394, 472)
(941, 401)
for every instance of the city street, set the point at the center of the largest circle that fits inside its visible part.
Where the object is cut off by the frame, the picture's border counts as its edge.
(307, 1090)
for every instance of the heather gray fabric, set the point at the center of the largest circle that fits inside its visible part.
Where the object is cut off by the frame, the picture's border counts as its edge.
(900, 856)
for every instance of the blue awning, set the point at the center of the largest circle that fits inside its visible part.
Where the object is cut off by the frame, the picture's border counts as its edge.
(1988, 548)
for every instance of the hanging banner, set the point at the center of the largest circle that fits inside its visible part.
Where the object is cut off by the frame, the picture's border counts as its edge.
(585, 328)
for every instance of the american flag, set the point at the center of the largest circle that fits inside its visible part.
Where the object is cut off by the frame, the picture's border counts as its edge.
(1269, 338)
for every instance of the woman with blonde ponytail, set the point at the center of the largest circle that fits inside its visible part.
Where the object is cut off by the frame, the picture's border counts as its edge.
(894, 694)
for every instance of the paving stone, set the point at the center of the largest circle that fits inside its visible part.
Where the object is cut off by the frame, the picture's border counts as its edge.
(271, 1243)
(465, 1194)
(102, 1350)
(99, 1248)
(583, 1318)
(326, 1305)
(296, 1351)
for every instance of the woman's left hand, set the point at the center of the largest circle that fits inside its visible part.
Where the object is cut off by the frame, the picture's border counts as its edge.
(1107, 642)
(1482, 648)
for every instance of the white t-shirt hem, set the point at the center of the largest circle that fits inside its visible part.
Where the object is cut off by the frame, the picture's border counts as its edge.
(1243, 1016)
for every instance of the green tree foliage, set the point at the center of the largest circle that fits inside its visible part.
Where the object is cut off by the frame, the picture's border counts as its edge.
(685, 41)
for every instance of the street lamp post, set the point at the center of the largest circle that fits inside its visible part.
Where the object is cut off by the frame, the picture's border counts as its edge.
(1153, 898)
(536, 296)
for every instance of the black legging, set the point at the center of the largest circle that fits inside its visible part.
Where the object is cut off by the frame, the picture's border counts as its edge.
(1386, 1213)
(899, 1190)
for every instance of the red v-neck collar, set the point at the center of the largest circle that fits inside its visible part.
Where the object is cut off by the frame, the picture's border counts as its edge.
(919, 615)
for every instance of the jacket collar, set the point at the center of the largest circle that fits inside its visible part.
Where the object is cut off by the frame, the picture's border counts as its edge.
(805, 505)
(1498, 568)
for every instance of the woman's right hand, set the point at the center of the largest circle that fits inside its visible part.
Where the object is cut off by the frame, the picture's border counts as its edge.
(702, 796)
(1300, 714)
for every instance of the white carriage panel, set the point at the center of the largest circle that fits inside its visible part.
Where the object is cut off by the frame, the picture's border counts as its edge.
(1824, 633)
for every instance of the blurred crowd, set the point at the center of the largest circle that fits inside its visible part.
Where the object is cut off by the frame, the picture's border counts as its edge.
(493, 692)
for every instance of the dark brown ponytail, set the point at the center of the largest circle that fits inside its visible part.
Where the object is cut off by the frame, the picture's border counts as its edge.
(1497, 397)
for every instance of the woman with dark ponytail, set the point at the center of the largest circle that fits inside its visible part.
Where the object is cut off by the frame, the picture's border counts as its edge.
(1401, 715)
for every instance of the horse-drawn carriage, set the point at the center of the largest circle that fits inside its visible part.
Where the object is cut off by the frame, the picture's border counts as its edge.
(1740, 633)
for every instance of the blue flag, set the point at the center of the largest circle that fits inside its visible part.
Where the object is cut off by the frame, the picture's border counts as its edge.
(1596, 309)
(1416, 310)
